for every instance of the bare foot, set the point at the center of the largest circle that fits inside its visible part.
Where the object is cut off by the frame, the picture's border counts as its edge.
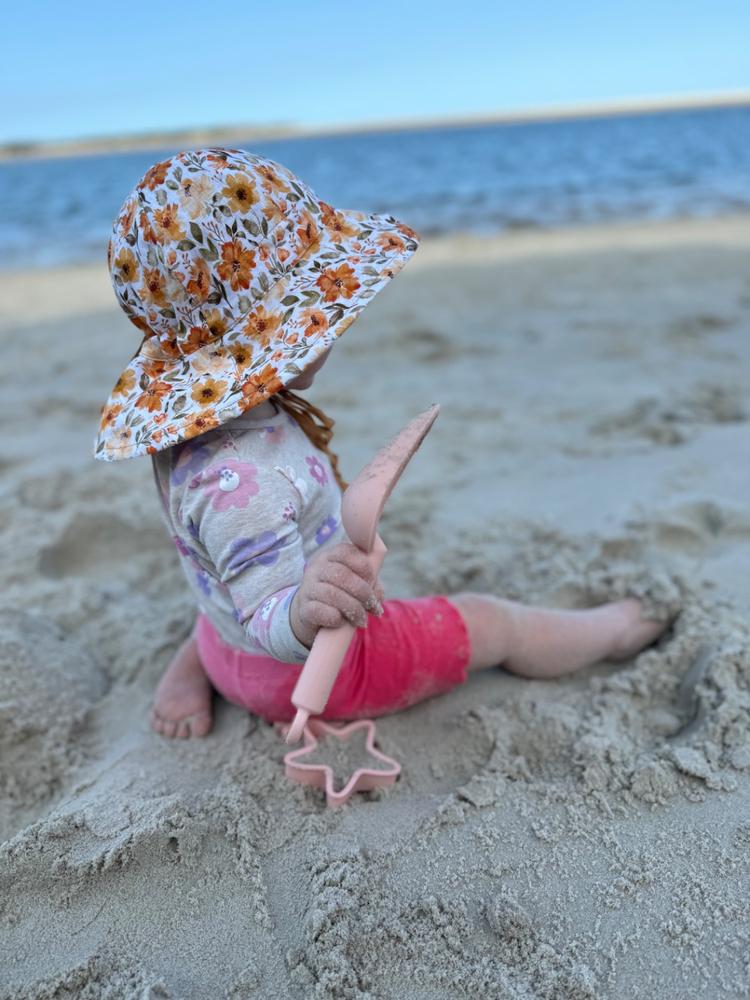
(635, 632)
(182, 703)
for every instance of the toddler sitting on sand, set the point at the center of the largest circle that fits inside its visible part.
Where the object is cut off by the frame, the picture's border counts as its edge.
(240, 280)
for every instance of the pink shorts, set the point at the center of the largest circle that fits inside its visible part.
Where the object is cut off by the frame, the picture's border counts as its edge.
(417, 648)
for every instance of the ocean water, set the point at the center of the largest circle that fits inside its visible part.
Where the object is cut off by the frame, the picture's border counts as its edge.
(480, 179)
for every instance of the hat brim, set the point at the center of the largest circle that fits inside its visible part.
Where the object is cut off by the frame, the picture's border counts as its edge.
(160, 399)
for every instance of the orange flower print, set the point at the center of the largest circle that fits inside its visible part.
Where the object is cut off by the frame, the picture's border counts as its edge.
(242, 355)
(199, 423)
(271, 180)
(236, 265)
(260, 386)
(391, 242)
(125, 383)
(125, 221)
(156, 436)
(208, 392)
(167, 224)
(337, 226)
(341, 283)
(261, 326)
(412, 234)
(159, 418)
(119, 438)
(199, 285)
(109, 415)
(195, 194)
(315, 321)
(240, 193)
(197, 338)
(219, 159)
(210, 362)
(151, 397)
(215, 323)
(156, 175)
(308, 231)
(141, 323)
(154, 368)
(149, 234)
(273, 211)
(126, 266)
(152, 289)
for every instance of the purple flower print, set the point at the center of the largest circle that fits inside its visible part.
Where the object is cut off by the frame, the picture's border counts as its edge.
(192, 529)
(326, 529)
(229, 484)
(201, 578)
(317, 469)
(262, 550)
(289, 513)
(191, 459)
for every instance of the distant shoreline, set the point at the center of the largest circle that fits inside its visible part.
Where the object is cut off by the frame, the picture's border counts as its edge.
(226, 135)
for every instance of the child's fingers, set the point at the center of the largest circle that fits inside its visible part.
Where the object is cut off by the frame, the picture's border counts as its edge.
(346, 579)
(348, 606)
(323, 615)
(349, 555)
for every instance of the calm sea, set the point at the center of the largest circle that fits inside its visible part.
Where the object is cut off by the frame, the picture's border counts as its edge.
(481, 179)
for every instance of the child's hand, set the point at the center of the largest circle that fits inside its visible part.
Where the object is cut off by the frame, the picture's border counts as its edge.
(338, 585)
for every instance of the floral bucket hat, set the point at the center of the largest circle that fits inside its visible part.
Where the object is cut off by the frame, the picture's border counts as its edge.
(238, 277)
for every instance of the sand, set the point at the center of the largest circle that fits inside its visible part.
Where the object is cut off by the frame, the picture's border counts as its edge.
(583, 838)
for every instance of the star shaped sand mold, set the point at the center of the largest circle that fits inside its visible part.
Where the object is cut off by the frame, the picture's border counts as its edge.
(301, 766)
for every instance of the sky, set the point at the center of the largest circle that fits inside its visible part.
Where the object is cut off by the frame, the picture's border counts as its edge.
(85, 68)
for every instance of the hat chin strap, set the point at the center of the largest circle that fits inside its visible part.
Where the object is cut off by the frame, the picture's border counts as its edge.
(316, 425)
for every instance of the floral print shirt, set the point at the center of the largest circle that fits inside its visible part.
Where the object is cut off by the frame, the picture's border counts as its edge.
(247, 505)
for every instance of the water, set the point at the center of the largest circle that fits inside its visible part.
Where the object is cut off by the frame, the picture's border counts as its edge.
(481, 179)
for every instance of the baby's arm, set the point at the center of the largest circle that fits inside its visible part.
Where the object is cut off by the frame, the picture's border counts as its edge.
(256, 550)
(258, 555)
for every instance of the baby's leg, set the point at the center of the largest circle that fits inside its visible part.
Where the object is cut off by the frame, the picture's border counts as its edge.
(182, 703)
(542, 642)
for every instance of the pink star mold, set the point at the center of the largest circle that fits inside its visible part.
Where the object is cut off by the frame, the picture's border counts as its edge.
(300, 765)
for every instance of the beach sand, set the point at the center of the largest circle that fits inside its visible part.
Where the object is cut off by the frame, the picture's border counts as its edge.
(587, 838)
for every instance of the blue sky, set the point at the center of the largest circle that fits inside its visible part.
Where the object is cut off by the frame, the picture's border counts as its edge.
(86, 68)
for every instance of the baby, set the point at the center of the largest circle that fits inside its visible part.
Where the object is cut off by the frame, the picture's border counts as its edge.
(240, 280)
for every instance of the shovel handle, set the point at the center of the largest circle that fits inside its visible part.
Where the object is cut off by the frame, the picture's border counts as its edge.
(323, 663)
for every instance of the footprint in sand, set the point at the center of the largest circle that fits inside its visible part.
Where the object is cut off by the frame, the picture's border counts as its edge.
(696, 527)
(677, 420)
(96, 544)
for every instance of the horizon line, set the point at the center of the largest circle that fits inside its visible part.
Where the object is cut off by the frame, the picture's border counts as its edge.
(154, 139)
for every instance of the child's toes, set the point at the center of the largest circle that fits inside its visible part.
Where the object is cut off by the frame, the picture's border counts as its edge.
(183, 729)
(200, 724)
(155, 721)
(637, 632)
(167, 727)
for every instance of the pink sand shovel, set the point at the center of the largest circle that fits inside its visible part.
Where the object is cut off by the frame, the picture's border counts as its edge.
(361, 507)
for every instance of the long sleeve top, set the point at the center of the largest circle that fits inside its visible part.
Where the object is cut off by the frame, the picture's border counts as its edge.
(247, 505)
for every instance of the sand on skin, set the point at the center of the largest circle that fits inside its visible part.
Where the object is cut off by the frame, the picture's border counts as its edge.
(587, 838)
